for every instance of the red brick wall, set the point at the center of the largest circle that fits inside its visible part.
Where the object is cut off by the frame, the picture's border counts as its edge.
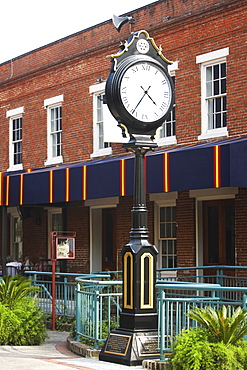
(71, 65)
(35, 236)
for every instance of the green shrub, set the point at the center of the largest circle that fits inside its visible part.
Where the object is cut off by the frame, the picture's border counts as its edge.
(21, 320)
(195, 350)
(218, 344)
(14, 289)
(223, 324)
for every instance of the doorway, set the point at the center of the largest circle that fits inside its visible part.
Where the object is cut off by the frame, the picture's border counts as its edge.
(219, 232)
(109, 239)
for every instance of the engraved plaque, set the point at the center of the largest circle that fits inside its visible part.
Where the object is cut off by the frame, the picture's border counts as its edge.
(147, 345)
(117, 344)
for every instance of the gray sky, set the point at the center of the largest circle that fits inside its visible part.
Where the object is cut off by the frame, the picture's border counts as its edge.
(28, 24)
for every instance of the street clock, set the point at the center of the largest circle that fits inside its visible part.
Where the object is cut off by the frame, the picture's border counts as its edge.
(139, 90)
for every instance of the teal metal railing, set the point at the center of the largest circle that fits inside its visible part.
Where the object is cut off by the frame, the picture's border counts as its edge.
(96, 298)
(98, 307)
(65, 291)
(172, 310)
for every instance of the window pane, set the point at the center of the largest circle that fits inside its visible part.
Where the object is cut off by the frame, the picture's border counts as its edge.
(168, 214)
(162, 231)
(218, 105)
(168, 230)
(210, 114)
(223, 86)
(223, 69)
(209, 74)
(216, 72)
(162, 214)
(209, 89)
(216, 87)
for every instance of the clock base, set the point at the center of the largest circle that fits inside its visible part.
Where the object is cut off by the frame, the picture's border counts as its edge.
(140, 141)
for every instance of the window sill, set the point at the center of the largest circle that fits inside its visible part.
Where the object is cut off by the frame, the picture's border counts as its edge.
(165, 141)
(54, 161)
(15, 167)
(211, 134)
(101, 152)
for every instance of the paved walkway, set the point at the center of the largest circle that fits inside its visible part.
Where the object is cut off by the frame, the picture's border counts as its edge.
(52, 355)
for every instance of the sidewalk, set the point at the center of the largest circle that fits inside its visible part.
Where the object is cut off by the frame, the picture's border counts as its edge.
(52, 355)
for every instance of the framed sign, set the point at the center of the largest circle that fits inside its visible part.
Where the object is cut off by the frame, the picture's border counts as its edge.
(65, 247)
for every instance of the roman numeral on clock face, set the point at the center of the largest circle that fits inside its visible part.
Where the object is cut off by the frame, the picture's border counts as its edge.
(163, 106)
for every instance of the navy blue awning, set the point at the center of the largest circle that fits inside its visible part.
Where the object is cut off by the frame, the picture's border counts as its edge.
(208, 165)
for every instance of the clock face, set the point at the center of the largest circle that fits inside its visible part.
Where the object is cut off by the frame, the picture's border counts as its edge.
(146, 92)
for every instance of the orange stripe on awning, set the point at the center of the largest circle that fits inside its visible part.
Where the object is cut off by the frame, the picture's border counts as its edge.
(67, 185)
(21, 188)
(51, 187)
(7, 190)
(166, 172)
(217, 179)
(84, 182)
(122, 177)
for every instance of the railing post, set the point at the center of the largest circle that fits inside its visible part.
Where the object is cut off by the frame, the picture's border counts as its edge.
(65, 293)
(78, 311)
(96, 319)
(161, 324)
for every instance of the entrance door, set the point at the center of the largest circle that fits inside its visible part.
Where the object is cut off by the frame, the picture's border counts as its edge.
(109, 239)
(219, 232)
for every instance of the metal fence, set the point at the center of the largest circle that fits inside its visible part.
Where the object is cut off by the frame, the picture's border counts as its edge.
(98, 307)
(96, 300)
(65, 292)
(172, 310)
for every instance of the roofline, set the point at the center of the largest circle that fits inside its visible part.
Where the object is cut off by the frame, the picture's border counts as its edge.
(75, 34)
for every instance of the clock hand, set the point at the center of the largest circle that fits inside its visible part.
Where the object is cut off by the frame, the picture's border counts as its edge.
(146, 92)
(138, 102)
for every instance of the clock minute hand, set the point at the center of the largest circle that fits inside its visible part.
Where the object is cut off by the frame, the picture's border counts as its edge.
(138, 103)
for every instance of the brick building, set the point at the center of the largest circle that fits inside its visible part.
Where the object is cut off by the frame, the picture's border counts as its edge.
(62, 167)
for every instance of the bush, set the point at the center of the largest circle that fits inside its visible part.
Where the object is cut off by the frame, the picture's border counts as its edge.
(218, 344)
(195, 350)
(21, 320)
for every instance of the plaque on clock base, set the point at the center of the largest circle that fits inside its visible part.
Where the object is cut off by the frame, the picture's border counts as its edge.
(130, 348)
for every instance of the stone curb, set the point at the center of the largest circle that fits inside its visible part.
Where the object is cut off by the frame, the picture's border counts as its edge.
(82, 349)
(154, 365)
(87, 352)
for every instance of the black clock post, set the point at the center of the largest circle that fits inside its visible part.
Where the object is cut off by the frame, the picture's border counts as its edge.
(139, 65)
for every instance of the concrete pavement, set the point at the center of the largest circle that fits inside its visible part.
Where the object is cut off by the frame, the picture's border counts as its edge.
(52, 355)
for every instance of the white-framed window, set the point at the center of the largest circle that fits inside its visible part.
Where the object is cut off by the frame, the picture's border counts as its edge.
(105, 129)
(166, 134)
(15, 138)
(167, 236)
(213, 93)
(54, 130)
